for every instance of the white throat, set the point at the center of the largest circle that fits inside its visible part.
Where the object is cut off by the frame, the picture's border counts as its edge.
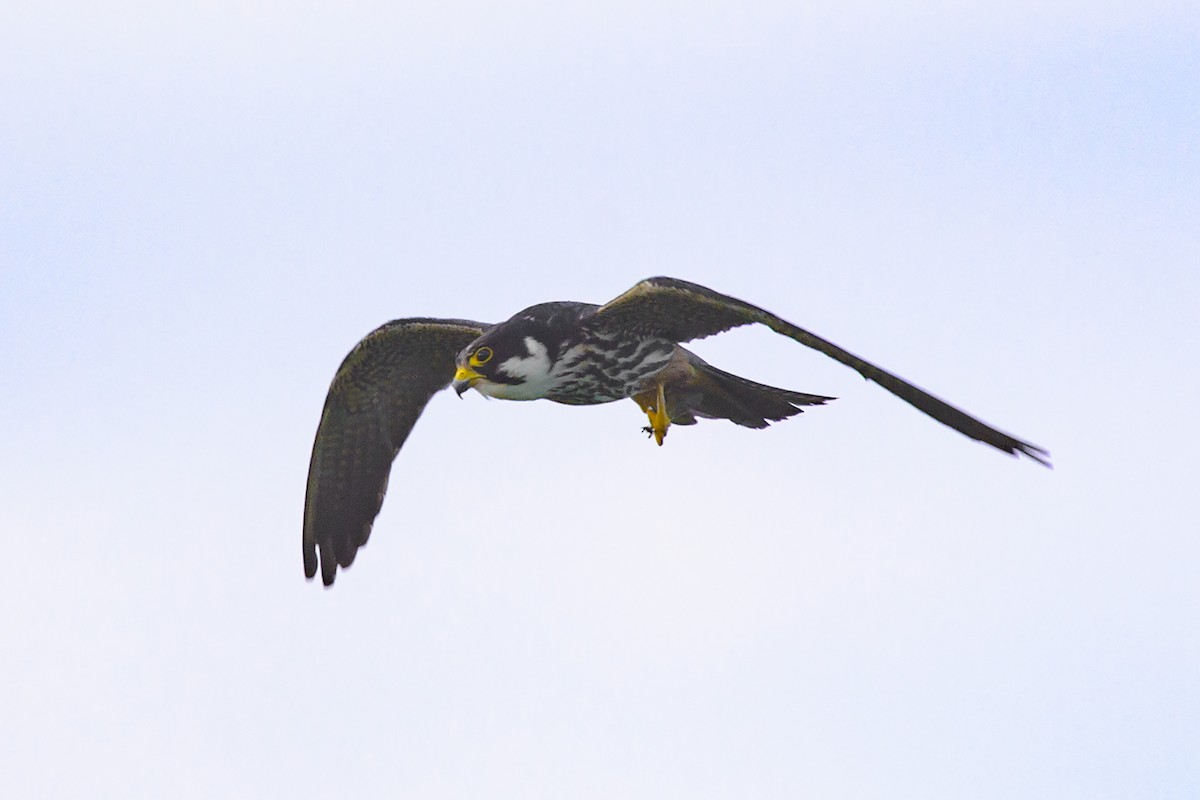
(533, 370)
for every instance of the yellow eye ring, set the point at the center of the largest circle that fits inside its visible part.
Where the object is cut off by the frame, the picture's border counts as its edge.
(481, 356)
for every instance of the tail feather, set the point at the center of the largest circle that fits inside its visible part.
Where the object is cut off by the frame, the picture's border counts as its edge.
(715, 394)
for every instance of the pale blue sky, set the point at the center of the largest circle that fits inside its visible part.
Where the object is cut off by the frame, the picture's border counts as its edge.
(203, 208)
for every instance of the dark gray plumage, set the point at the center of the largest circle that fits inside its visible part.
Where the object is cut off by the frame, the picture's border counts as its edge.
(574, 353)
(378, 393)
(682, 312)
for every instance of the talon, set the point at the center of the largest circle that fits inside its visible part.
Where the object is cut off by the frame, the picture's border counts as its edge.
(656, 411)
(659, 421)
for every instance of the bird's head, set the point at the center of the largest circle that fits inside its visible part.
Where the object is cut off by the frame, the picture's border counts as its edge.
(514, 361)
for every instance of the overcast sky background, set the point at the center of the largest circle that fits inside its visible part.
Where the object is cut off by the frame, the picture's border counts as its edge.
(203, 207)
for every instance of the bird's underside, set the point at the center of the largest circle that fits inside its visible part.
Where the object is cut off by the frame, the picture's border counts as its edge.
(687, 388)
(574, 353)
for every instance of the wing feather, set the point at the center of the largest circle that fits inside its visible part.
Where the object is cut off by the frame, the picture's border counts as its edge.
(376, 396)
(681, 312)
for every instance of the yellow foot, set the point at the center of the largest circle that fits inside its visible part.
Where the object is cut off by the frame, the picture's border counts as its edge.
(656, 409)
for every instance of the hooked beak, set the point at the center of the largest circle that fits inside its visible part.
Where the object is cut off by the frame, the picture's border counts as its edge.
(464, 379)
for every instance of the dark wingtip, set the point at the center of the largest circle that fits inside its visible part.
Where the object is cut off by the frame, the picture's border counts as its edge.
(1039, 454)
(328, 568)
(310, 560)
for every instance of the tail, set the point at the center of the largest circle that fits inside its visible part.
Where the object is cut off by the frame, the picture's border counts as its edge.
(715, 394)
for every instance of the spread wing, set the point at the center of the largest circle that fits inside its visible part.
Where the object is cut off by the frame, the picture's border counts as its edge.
(378, 393)
(681, 311)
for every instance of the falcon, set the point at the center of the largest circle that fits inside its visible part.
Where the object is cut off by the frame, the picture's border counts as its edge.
(572, 353)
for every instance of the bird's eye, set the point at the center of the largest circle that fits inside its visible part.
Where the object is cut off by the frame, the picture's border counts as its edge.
(482, 356)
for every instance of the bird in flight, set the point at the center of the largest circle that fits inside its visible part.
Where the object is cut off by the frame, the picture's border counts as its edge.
(572, 353)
